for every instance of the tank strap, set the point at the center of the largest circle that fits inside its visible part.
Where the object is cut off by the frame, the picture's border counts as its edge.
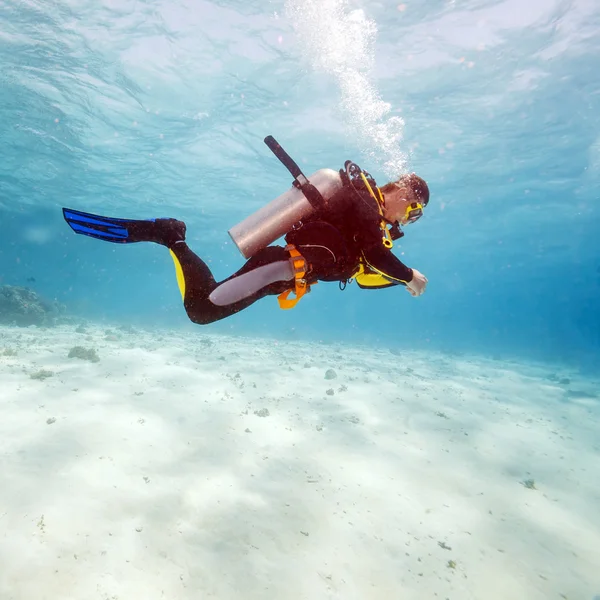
(311, 193)
(301, 286)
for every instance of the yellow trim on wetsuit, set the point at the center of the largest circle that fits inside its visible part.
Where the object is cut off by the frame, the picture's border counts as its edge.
(178, 274)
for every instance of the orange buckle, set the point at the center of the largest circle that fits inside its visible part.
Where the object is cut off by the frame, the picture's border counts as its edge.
(301, 286)
(297, 261)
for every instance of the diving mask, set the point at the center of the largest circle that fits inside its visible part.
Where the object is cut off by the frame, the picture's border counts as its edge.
(414, 211)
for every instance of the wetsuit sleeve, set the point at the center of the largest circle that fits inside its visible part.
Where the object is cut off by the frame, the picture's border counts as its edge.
(383, 261)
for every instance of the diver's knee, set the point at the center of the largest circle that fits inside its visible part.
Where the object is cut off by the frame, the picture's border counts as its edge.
(202, 315)
(202, 319)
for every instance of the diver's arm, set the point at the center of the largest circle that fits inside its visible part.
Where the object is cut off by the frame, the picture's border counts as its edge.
(383, 261)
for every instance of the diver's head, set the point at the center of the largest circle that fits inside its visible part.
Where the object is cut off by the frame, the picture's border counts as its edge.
(405, 199)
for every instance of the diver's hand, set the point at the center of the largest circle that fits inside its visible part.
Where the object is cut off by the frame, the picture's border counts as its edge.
(416, 286)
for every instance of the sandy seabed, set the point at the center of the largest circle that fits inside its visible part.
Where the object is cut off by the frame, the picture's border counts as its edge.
(190, 466)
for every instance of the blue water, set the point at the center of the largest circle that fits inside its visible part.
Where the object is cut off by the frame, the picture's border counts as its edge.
(145, 109)
(156, 108)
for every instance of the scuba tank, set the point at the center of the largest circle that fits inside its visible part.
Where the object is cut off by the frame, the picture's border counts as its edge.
(304, 198)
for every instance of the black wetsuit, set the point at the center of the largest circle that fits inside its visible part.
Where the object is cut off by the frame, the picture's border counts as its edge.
(332, 242)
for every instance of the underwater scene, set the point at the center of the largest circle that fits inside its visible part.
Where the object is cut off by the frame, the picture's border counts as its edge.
(299, 300)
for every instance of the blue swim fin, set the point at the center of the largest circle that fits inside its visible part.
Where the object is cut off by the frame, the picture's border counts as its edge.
(125, 231)
(120, 231)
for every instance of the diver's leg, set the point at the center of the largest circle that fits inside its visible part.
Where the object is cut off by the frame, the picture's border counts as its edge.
(198, 285)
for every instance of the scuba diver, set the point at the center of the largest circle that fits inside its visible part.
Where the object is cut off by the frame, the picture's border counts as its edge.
(338, 226)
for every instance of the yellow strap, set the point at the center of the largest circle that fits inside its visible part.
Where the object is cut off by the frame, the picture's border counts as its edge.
(387, 238)
(368, 186)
